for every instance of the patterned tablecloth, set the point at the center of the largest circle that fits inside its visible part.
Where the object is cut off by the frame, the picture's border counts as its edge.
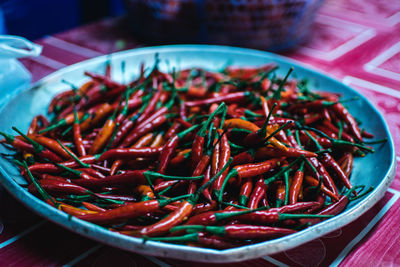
(356, 41)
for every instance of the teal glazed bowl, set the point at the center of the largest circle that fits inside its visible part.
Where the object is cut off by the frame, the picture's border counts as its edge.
(377, 169)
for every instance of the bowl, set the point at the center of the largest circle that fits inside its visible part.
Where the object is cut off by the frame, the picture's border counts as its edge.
(377, 169)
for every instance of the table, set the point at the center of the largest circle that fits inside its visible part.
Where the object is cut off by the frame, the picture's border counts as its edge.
(357, 42)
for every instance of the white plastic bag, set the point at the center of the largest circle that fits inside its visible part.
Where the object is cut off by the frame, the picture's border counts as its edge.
(13, 76)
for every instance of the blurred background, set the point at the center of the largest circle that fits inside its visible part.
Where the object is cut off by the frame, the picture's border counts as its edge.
(35, 19)
(263, 24)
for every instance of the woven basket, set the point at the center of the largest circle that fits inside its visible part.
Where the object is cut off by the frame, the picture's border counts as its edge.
(262, 24)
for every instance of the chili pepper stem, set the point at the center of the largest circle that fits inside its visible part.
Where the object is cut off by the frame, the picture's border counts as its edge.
(335, 141)
(36, 145)
(84, 165)
(277, 93)
(154, 175)
(277, 131)
(193, 237)
(206, 185)
(231, 174)
(263, 131)
(360, 195)
(222, 216)
(42, 192)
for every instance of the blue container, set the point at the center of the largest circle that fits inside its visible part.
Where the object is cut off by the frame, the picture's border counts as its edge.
(34, 19)
(2, 26)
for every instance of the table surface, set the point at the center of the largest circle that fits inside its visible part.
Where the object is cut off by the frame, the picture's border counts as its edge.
(358, 42)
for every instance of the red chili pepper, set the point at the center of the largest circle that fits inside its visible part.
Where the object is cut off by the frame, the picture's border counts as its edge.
(92, 95)
(216, 158)
(327, 179)
(342, 112)
(170, 147)
(54, 102)
(164, 185)
(275, 121)
(47, 176)
(80, 148)
(128, 211)
(275, 215)
(152, 104)
(335, 130)
(126, 153)
(71, 210)
(36, 149)
(312, 118)
(346, 164)
(223, 159)
(199, 170)
(184, 123)
(124, 129)
(327, 131)
(127, 178)
(296, 184)
(132, 103)
(321, 202)
(213, 217)
(103, 111)
(204, 207)
(257, 194)
(144, 129)
(254, 169)
(242, 124)
(310, 105)
(33, 126)
(135, 177)
(332, 209)
(92, 207)
(366, 134)
(240, 231)
(207, 177)
(56, 186)
(229, 98)
(198, 143)
(178, 159)
(103, 79)
(143, 141)
(213, 241)
(268, 151)
(92, 172)
(245, 191)
(51, 168)
(329, 162)
(314, 182)
(246, 171)
(53, 145)
(280, 193)
(248, 72)
(182, 111)
(172, 130)
(244, 157)
(103, 136)
(67, 120)
(173, 219)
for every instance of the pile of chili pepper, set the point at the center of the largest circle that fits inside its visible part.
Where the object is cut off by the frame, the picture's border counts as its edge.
(209, 159)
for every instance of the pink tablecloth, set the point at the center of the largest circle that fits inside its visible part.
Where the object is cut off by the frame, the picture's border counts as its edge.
(356, 41)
